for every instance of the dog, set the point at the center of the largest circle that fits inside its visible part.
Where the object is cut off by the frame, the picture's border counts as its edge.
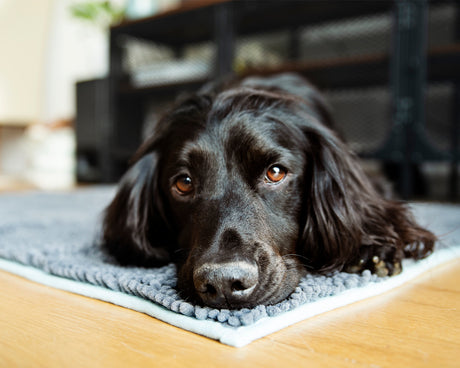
(247, 187)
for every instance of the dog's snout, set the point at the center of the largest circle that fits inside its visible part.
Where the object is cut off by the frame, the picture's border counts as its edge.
(225, 284)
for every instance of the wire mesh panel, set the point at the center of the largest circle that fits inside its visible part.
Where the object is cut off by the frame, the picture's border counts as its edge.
(347, 38)
(442, 129)
(439, 106)
(441, 23)
(439, 115)
(362, 116)
(261, 50)
(150, 64)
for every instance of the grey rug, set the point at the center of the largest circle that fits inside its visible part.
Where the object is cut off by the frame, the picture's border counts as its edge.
(55, 232)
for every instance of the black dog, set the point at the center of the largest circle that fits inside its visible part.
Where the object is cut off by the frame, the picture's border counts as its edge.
(247, 188)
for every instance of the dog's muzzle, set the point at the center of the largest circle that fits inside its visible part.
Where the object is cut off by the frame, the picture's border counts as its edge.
(225, 285)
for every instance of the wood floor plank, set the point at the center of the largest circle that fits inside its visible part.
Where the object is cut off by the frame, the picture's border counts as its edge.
(416, 325)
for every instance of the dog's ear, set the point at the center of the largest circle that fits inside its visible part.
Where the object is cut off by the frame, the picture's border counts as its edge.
(135, 230)
(345, 213)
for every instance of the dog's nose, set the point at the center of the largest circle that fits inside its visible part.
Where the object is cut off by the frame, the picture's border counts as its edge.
(225, 284)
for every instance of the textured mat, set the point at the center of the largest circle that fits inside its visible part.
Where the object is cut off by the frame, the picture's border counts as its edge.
(48, 238)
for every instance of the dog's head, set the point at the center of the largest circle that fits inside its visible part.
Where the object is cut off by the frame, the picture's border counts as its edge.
(243, 188)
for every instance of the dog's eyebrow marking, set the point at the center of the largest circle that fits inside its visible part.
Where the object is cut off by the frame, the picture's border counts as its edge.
(249, 148)
(197, 154)
(259, 146)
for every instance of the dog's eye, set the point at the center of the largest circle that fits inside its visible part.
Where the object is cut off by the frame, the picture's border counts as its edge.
(184, 185)
(275, 174)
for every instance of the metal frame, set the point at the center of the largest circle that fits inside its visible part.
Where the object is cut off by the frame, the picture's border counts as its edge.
(406, 144)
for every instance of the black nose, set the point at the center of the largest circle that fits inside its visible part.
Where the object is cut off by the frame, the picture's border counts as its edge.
(225, 284)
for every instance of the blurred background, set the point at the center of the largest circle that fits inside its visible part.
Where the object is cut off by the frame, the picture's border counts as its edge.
(81, 82)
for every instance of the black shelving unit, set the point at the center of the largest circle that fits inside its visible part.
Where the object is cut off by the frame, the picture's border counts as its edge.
(405, 69)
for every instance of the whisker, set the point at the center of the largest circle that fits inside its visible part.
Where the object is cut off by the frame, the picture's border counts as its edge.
(296, 256)
(300, 257)
(449, 232)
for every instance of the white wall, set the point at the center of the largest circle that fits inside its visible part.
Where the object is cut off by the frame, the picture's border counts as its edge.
(43, 52)
(23, 34)
(75, 51)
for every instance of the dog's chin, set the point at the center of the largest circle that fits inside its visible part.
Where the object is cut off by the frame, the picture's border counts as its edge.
(271, 288)
(273, 297)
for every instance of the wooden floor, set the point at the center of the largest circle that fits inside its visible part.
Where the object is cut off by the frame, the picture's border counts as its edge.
(416, 325)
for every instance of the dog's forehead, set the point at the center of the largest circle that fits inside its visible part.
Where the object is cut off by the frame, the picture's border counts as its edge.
(241, 134)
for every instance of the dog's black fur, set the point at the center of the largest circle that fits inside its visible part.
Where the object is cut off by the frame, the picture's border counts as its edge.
(247, 187)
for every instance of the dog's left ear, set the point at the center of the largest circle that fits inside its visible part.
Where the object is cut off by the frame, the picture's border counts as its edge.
(344, 213)
(135, 230)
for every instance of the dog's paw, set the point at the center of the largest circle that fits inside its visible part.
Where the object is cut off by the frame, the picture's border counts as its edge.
(381, 260)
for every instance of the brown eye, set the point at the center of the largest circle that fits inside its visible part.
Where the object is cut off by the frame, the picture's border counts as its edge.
(275, 174)
(184, 185)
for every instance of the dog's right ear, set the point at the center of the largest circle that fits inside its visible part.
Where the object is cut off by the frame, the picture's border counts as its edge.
(134, 228)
